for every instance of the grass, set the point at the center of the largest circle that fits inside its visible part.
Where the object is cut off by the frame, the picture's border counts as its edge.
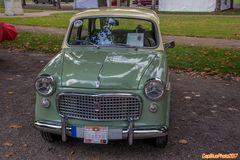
(25, 10)
(201, 26)
(54, 20)
(217, 61)
(214, 60)
(46, 43)
(235, 11)
(195, 26)
(237, 1)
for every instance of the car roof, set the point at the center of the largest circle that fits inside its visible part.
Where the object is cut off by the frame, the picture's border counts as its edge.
(134, 12)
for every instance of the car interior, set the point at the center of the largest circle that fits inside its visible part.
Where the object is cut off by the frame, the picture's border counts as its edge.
(113, 31)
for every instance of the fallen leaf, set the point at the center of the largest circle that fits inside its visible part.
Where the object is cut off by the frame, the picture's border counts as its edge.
(10, 92)
(213, 111)
(233, 109)
(194, 113)
(26, 113)
(187, 97)
(72, 153)
(183, 141)
(15, 126)
(197, 95)
(25, 145)
(10, 79)
(7, 144)
(10, 154)
(215, 106)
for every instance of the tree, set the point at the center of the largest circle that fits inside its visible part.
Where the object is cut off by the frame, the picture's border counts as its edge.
(139, 2)
(218, 8)
(231, 4)
(54, 3)
(153, 4)
(59, 4)
(23, 2)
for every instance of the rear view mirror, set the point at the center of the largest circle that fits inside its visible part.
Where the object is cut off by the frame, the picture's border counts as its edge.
(169, 45)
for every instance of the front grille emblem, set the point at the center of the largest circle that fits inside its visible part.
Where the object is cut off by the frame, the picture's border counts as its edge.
(97, 106)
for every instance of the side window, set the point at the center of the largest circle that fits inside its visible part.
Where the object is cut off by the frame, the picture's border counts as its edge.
(78, 32)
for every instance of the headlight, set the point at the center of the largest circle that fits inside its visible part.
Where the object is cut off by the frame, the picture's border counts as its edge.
(154, 89)
(45, 85)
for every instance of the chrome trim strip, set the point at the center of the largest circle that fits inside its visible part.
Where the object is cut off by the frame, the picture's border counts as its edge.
(63, 128)
(101, 95)
(138, 133)
(130, 131)
(168, 86)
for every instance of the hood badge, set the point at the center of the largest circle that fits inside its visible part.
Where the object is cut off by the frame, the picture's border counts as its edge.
(98, 83)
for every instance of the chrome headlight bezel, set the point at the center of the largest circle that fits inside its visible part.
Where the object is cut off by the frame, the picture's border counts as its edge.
(51, 83)
(160, 85)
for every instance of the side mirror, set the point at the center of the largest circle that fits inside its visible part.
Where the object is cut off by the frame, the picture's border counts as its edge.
(169, 45)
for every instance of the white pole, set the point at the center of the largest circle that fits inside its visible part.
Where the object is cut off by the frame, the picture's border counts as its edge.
(109, 3)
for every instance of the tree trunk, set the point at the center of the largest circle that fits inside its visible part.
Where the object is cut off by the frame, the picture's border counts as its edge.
(231, 4)
(153, 4)
(54, 3)
(23, 2)
(139, 2)
(128, 3)
(218, 5)
(59, 4)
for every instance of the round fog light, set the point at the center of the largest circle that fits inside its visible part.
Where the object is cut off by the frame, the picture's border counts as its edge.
(153, 108)
(45, 103)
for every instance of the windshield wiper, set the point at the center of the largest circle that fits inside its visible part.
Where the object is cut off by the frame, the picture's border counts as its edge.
(86, 41)
(125, 45)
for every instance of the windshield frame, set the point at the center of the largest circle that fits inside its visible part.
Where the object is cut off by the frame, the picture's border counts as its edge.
(114, 46)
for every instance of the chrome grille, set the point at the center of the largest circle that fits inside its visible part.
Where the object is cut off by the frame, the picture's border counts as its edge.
(99, 107)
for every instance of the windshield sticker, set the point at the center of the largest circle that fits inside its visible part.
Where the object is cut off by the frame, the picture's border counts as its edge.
(78, 23)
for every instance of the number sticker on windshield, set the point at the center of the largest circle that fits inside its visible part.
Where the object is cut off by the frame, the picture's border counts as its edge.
(78, 23)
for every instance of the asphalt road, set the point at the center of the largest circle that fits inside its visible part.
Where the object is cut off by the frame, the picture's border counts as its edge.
(205, 113)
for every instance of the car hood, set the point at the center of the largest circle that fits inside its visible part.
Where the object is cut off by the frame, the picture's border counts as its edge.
(106, 69)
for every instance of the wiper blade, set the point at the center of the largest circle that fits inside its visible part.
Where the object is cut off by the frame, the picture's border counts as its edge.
(125, 45)
(86, 41)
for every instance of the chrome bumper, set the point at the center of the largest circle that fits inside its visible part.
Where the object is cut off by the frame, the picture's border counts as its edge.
(114, 134)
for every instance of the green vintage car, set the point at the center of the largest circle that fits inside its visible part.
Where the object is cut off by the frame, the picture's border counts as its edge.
(109, 82)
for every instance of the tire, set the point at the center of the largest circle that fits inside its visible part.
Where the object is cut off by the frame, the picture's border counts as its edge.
(50, 137)
(161, 142)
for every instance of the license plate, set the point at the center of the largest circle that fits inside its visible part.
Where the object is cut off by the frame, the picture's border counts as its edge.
(96, 134)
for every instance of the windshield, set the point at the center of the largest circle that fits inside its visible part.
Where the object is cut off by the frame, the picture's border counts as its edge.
(112, 31)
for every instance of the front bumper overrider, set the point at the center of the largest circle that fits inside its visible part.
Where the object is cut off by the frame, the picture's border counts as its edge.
(130, 133)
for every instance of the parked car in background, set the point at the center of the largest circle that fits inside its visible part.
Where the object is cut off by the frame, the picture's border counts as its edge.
(109, 82)
(40, 1)
(44, 1)
(144, 2)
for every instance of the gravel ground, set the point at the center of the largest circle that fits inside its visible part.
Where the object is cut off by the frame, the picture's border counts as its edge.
(205, 116)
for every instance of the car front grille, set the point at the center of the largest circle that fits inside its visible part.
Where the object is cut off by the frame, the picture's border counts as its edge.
(103, 107)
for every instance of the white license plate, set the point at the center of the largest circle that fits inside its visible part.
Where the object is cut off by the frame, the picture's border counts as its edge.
(95, 134)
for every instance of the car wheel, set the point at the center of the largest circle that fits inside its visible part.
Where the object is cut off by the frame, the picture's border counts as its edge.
(161, 142)
(50, 137)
